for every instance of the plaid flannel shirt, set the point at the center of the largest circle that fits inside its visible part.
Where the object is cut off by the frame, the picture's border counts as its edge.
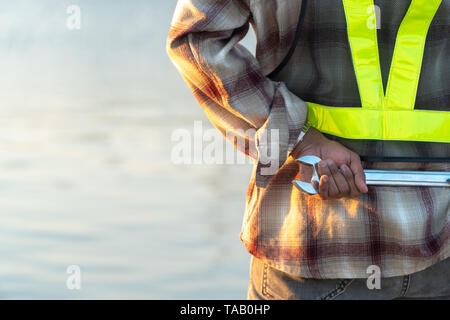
(401, 230)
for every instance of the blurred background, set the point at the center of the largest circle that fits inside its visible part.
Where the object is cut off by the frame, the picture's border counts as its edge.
(86, 177)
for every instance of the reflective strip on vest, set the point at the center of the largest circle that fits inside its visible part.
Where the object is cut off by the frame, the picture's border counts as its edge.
(391, 116)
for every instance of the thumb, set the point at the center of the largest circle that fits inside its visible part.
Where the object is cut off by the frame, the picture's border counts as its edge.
(358, 172)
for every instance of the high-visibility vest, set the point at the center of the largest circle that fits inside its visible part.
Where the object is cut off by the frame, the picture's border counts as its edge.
(387, 115)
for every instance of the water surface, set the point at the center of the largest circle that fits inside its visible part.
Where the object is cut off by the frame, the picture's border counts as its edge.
(86, 179)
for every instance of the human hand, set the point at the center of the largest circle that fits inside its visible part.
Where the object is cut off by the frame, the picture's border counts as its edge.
(341, 172)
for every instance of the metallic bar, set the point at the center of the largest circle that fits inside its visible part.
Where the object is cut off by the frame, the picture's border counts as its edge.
(407, 178)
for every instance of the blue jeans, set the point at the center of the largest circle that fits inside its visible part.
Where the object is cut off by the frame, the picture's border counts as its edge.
(268, 283)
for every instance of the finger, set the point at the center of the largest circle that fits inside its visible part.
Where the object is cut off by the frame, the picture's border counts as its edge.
(315, 185)
(358, 172)
(354, 192)
(324, 187)
(333, 190)
(339, 179)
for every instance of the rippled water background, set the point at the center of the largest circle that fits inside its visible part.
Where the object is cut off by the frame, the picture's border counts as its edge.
(85, 173)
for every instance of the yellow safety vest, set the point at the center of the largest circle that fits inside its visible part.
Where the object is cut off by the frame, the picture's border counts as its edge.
(389, 116)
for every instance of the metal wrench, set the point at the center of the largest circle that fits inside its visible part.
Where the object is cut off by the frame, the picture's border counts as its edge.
(380, 177)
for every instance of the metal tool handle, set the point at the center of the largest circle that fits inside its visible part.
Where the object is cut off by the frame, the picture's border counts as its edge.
(407, 178)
